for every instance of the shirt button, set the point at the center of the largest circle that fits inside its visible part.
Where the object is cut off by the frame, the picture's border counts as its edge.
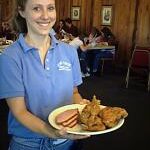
(47, 60)
(47, 68)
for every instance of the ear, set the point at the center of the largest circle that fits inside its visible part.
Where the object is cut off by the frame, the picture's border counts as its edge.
(21, 12)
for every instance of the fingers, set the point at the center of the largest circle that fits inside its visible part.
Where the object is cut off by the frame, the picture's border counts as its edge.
(75, 137)
(62, 133)
(84, 101)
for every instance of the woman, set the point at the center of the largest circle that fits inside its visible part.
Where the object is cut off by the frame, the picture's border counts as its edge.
(61, 29)
(108, 38)
(79, 43)
(38, 75)
(95, 36)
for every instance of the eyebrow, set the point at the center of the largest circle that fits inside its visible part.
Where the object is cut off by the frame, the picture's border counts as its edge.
(42, 4)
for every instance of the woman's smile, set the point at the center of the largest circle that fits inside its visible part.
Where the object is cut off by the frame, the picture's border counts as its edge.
(40, 16)
(44, 24)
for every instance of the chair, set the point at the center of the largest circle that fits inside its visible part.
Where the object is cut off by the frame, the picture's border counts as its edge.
(106, 59)
(139, 66)
(110, 56)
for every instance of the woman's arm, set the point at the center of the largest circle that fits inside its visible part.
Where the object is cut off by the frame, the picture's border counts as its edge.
(77, 98)
(18, 108)
(83, 47)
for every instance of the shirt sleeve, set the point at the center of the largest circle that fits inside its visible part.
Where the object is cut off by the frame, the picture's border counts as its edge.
(11, 83)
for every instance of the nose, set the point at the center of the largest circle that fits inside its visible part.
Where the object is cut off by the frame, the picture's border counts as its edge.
(45, 14)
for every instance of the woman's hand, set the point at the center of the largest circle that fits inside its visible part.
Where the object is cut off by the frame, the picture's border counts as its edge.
(62, 133)
(77, 98)
(84, 101)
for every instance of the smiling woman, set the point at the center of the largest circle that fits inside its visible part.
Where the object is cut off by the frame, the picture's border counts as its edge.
(38, 61)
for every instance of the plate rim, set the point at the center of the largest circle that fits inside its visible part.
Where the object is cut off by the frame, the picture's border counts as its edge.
(120, 123)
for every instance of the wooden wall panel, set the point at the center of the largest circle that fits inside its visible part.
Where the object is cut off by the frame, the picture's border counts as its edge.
(7, 6)
(143, 25)
(77, 3)
(86, 17)
(130, 25)
(122, 24)
(97, 13)
(122, 27)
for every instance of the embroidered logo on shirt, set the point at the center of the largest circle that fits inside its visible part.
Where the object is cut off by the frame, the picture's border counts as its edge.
(63, 65)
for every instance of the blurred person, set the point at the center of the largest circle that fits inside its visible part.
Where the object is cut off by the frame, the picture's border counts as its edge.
(95, 36)
(33, 71)
(61, 29)
(70, 28)
(109, 38)
(6, 31)
(79, 43)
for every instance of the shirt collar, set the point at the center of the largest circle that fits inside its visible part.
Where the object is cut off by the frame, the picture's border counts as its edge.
(26, 47)
(54, 41)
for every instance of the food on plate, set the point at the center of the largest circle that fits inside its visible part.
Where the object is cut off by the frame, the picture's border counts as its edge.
(69, 121)
(92, 116)
(68, 118)
(111, 115)
(89, 116)
(72, 124)
(95, 118)
(94, 123)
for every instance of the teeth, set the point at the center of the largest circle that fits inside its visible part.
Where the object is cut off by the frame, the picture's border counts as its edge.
(43, 24)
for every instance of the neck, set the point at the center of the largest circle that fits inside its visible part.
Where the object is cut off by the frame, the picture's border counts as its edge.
(42, 42)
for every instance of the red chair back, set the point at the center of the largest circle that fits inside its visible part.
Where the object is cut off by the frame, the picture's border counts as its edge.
(140, 58)
(139, 65)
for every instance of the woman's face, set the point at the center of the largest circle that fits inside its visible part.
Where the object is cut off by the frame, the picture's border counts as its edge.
(61, 24)
(40, 16)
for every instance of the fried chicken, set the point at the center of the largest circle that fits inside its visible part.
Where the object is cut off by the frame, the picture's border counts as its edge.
(89, 117)
(111, 115)
(93, 118)
(94, 123)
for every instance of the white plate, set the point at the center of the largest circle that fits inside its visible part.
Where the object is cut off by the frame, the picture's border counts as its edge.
(77, 129)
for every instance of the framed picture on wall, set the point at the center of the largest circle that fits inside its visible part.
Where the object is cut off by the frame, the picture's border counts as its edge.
(106, 14)
(75, 13)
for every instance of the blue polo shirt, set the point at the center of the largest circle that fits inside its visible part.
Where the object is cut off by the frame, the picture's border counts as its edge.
(44, 87)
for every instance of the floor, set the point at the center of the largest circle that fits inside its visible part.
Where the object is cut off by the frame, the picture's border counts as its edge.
(110, 89)
(135, 131)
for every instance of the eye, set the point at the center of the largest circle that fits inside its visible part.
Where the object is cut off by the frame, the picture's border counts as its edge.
(51, 8)
(36, 8)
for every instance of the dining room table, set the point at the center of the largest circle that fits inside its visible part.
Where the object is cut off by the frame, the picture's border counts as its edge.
(93, 50)
(100, 47)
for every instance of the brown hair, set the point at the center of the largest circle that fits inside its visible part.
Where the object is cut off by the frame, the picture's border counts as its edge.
(18, 22)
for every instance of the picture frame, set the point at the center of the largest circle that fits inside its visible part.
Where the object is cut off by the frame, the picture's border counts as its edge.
(75, 13)
(106, 15)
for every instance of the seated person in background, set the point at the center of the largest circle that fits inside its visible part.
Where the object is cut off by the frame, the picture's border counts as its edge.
(70, 28)
(78, 43)
(95, 36)
(99, 54)
(108, 36)
(60, 29)
(7, 31)
(109, 53)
